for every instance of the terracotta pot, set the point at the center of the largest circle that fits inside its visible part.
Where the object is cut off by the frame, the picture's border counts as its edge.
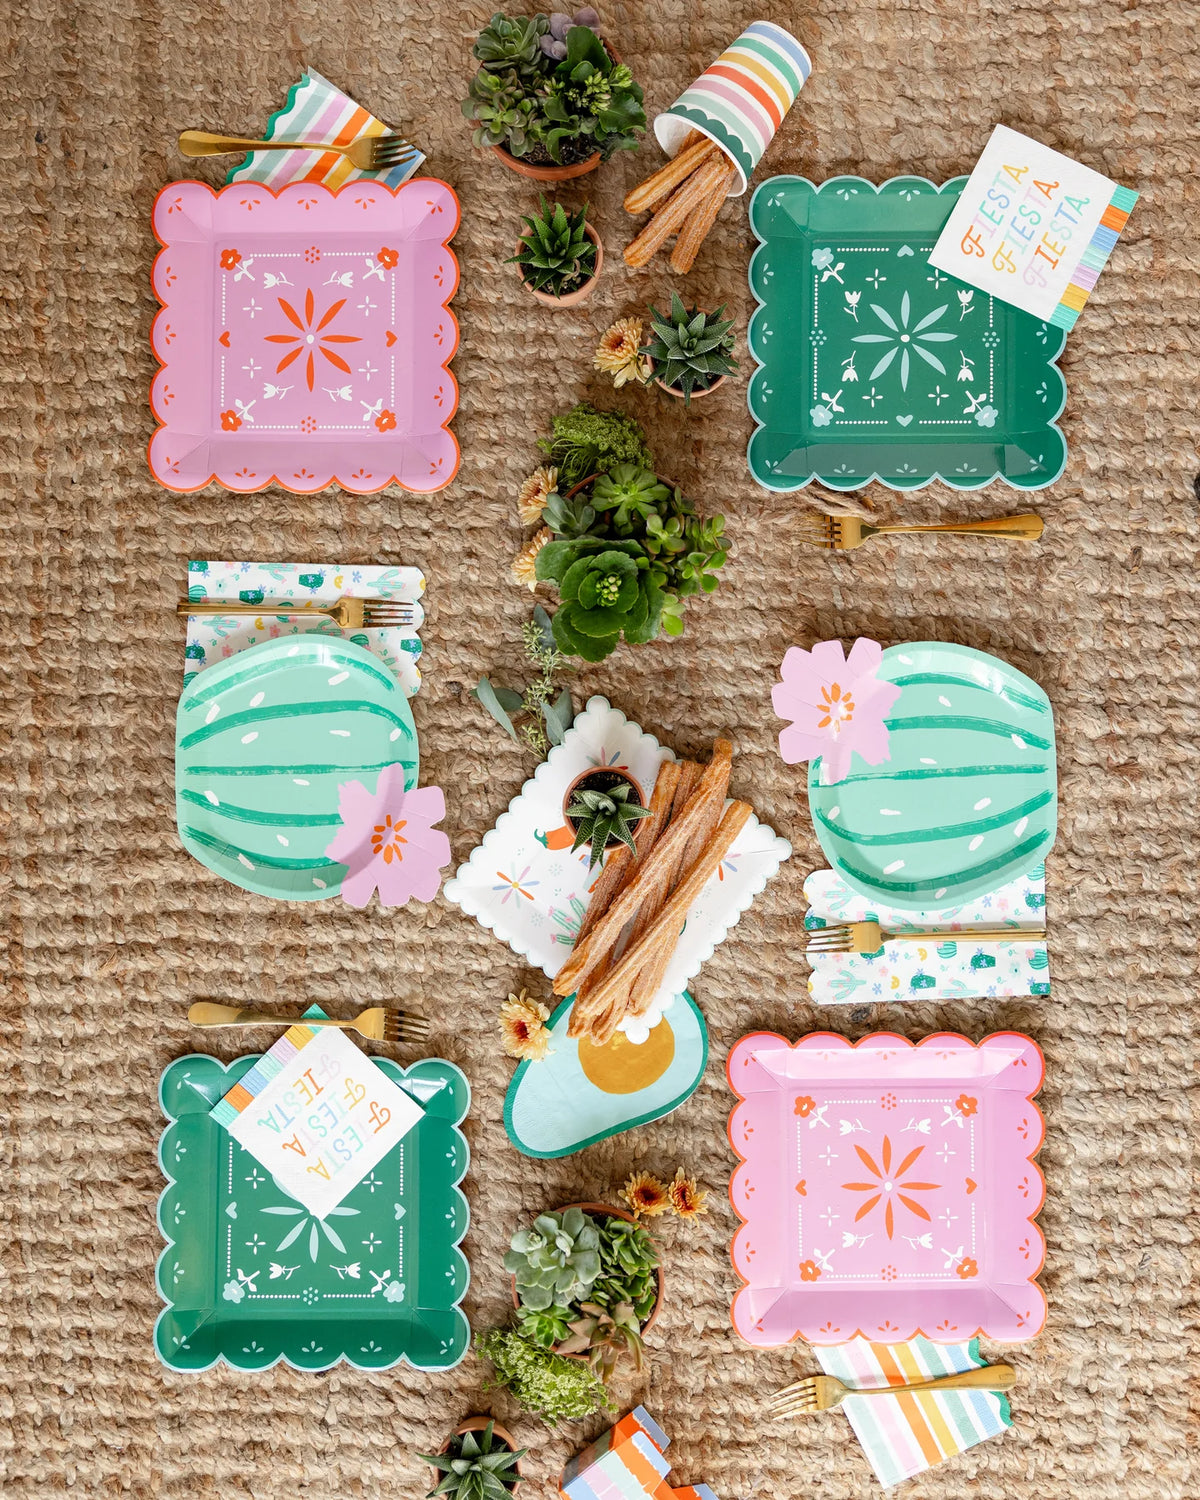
(477, 1424)
(548, 172)
(581, 294)
(619, 772)
(706, 390)
(605, 1211)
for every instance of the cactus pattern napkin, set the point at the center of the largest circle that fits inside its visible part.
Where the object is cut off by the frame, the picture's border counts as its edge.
(953, 969)
(316, 110)
(211, 638)
(905, 1435)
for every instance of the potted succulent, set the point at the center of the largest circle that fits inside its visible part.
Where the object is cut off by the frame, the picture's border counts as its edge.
(479, 1461)
(603, 806)
(559, 256)
(551, 98)
(627, 550)
(691, 351)
(584, 1257)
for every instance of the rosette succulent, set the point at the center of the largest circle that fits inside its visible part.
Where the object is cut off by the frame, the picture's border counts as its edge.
(604, 1336)
(504, 114)
(691, 349)
(629, 495)
(556, 1261)
(607, 592)
(513, 42)
(628, 1268)
(568, 518)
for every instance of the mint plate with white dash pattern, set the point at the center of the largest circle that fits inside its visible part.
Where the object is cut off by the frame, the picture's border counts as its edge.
(264, 740)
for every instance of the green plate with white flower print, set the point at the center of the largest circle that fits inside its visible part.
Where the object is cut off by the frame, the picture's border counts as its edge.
(873, 364)
(249, 1277)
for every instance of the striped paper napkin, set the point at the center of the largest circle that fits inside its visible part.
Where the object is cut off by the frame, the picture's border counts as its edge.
(904, 1435)
(316, 110)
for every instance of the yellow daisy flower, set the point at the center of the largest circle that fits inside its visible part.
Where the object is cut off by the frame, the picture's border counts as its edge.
(618, 352)
(646, 1196)
(523, 1027)
(532, 495)
(525, 562)
(687, 1199)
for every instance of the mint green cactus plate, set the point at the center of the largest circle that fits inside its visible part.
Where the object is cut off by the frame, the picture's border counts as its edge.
(263, 741)
(969, 796)
(248, 1277)
(875, 365)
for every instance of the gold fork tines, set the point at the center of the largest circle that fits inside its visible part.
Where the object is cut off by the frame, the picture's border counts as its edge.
(378, 1024)
(822, 1392)
(844, 533)
(869, 937)
(346, 614)
(369, 153)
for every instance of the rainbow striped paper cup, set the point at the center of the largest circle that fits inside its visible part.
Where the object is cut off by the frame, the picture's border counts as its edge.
(741, 100)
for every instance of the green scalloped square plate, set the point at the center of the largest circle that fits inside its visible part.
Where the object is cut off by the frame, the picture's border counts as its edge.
(873, 364)
(250, 1278)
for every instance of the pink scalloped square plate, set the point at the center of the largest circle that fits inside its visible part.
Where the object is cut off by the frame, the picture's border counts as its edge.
(304, 336)
(887, 1190)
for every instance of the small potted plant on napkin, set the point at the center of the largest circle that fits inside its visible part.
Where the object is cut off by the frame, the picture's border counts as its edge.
(479, 1461)
(559, 256)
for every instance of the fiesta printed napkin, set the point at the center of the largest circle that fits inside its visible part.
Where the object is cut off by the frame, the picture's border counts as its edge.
(903, 1435)
(953, 969)
(318, 1114)
(316, 110)
(212, 638)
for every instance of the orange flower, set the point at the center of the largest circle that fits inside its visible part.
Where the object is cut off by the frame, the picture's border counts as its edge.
(386, 420)
(887, 1186)
(805, 1106)
(387, 839)
(229, 259)
(646, 1196)
(967, 1268)
(809, 1270)
(523, 1028)
(310, 337)
(966, 1105)
(388, 258)
(230, 421)
(687, 1199)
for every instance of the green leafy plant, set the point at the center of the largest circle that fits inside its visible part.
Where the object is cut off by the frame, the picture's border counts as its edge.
(633, 541)
(556, 1261)
(585, 441)
(601, 816)
(544, 1327)
(555, 253)
(628, 1269)
(691, 349)
(605, 1336)
(555, 94)
(543, 718)
(477, 1466)
(543, 1383)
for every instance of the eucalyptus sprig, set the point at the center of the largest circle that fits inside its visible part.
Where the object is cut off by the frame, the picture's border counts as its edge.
(543, 718)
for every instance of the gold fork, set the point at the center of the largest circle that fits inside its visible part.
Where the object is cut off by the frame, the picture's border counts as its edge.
(346, 614)
(869, 937)
(379, 1024)
(821, 1392)
(844, 533)
(369, 153)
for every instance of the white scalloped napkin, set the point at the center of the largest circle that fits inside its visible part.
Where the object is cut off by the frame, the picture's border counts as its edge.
(533, 894)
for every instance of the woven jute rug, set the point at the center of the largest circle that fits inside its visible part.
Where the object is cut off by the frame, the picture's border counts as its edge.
(111, 930)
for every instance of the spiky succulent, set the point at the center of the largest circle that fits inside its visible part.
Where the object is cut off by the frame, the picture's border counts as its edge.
(513, 42)
(628, 1268)
(555, 253)
(601, 816)
(628, 494)
(476, 1466)
(691, 349)
(604, 1336)
(556, 1261)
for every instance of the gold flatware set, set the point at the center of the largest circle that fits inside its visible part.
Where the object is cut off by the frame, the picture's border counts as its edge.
(346, 614)
(869, 937)
(369, 153)
(378, 1024)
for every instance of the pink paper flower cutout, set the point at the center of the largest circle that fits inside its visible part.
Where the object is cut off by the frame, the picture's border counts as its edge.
(387, 840)
(837, 706)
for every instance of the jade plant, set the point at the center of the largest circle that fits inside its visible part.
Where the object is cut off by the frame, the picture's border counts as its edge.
(691, 349)
(546, 1384)
(555, 254)
(548, 90)
(601, 817)
(476, 1466)
(556, 1261)
(626, 557)
(537, 716)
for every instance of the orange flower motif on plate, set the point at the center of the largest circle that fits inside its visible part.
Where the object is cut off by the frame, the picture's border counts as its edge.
(805, 1105)
(386, 839)
(230, 421)
(966, 1105)
(230, 258)
(809, 1270)
(890, 1186)
(967, 1268)
(386, 420)
(311, 338)
(388, 257)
